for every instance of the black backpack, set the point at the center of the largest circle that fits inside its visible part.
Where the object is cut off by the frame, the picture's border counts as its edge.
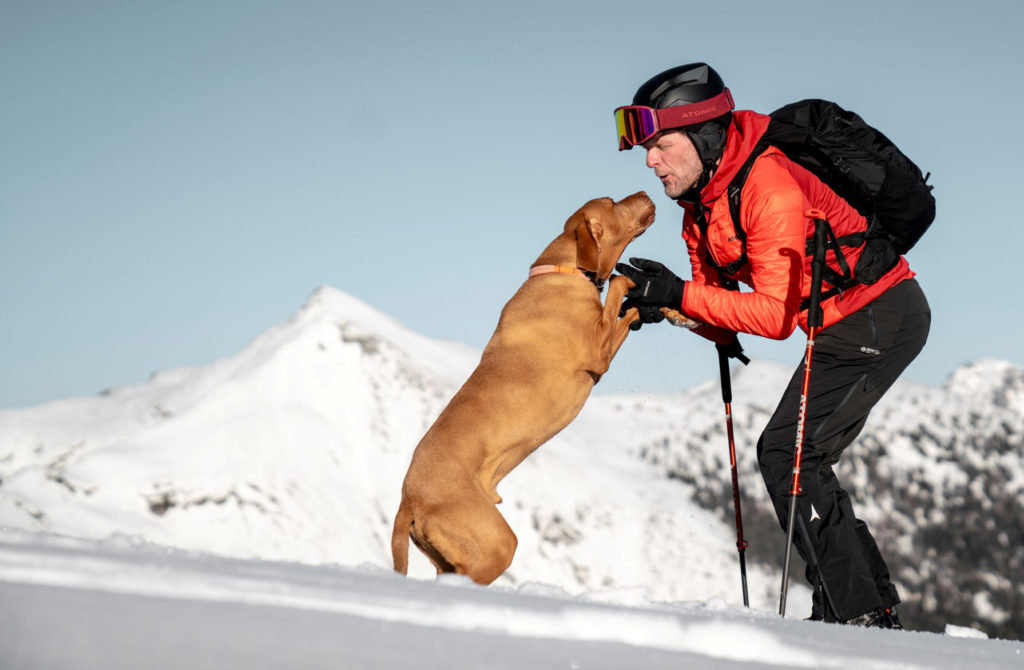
(864, 168)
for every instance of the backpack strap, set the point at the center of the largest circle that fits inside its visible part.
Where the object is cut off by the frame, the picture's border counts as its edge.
(840, 280)
(726, 272)
(736, 187)
(844, 278)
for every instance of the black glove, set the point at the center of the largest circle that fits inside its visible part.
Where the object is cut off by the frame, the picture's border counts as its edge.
(732, 350)
(656, 285)
(648, 314)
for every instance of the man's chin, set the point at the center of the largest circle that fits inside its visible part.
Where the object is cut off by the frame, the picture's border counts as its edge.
(672, 192)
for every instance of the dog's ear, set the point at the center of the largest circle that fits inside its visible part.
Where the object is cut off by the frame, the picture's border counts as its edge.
(588, 244)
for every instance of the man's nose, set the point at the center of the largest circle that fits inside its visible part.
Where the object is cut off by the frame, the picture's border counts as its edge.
(652, 159)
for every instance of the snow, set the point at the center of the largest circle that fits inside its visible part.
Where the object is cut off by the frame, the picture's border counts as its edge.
(125, 603)
(246, 507)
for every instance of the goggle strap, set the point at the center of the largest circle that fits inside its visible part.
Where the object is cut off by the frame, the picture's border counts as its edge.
(629, 118)
(685, 115)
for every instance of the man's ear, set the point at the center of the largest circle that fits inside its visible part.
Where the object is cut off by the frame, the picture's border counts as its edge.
(588, 244)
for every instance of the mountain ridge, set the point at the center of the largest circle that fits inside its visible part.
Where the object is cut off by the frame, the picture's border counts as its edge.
(294, 449)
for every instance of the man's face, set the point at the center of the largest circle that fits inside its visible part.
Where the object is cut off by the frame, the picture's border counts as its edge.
(675, 162)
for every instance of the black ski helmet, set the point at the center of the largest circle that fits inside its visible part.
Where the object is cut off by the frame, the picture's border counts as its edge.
(686, 85)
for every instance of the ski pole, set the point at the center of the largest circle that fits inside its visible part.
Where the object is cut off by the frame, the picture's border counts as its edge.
(814, 321)
(741, 544)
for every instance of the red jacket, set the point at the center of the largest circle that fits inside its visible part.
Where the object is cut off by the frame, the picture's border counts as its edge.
(774, 203)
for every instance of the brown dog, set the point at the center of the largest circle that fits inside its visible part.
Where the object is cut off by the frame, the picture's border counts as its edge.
(553, 342)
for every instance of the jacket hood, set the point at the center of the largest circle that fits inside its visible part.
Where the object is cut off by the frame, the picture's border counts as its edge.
(745, 130)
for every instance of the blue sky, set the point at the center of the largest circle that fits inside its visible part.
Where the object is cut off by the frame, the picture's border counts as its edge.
(175, 178)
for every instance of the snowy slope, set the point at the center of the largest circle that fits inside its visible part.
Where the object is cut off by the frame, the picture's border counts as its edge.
(121, 604)
(294, 449)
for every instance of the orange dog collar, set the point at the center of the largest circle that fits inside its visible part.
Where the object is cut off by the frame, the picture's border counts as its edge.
(556, 269)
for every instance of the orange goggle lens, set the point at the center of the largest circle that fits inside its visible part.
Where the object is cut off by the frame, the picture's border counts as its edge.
(635, 125)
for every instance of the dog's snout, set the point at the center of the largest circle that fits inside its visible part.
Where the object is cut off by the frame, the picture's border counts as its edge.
(642, 206)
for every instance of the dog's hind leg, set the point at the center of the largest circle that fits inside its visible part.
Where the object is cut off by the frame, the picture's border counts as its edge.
(468, 539)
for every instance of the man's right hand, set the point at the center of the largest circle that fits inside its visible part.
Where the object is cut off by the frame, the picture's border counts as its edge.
(732, 350)
(648, 314)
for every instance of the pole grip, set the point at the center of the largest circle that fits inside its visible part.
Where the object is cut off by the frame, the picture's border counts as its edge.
(723, 372)
(814, 316)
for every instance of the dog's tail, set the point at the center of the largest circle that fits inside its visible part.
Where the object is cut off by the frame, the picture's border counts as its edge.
(400, 537)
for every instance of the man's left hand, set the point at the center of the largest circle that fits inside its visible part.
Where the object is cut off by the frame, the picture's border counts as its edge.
(655, 284)
(655, 287)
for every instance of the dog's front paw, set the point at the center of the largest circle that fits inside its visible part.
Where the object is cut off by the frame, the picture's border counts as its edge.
(631, 318)
(676, 318)
(621, 283)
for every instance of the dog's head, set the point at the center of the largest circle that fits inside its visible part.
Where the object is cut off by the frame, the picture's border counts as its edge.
(603, 228)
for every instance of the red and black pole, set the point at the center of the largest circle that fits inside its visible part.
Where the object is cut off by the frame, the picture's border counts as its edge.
(741, 544)
(814, 321)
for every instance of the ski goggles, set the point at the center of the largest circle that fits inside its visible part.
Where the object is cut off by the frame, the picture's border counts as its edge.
(637, 124)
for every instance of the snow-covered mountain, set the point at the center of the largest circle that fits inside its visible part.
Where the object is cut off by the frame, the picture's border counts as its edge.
(937, 473)
(295, 449)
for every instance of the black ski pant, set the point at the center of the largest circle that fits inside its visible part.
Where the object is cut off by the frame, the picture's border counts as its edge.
(854, 362)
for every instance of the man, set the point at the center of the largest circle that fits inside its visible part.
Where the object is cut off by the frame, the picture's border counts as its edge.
(696, 144)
